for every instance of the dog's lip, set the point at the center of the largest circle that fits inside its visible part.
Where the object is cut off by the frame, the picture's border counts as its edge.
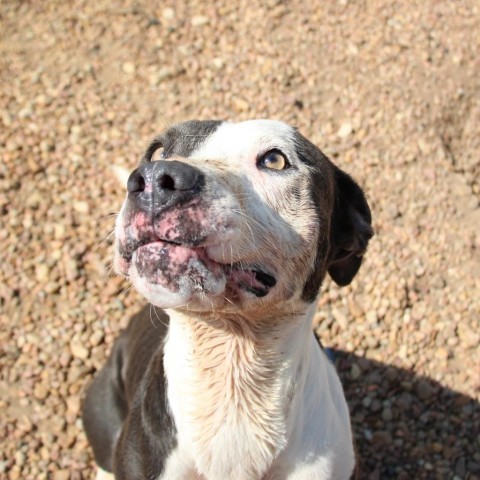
(127, 253)
(253, 278)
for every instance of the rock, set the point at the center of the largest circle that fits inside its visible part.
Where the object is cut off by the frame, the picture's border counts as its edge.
(129, 68)
(52, 287)
(468, 336)
(355, 309)
(436, 447)
(381, 438)
(340, 318)
(240, 105)
(168, 13)
(78, 350)
(40, 391)
(371, 317)
(65, 359)
(71, 269)
(218, 63)
(460, 467)
(19, 458)
(387, 414)
(376, 405)
(345, 130)
(76, 373)
(81, 207)
(199, 20)
(73, 405)
(424, 390)
(355, 371)
(42, 272)
(96, 338)
(61, 475)
(442, 353)
(404, 401)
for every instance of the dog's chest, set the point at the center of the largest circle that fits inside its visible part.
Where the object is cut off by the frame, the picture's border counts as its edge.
(226, 402)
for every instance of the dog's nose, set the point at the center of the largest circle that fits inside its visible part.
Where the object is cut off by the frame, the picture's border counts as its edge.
(163, 184)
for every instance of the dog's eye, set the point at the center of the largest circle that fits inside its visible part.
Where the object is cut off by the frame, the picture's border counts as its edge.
(273, 160)
(158, 154)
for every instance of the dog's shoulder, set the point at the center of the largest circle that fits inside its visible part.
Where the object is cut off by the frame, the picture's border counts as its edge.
(128, 394)
(142, 339)
(141, 450)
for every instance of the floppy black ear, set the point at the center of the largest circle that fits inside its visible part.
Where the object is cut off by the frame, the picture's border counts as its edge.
(351, 229)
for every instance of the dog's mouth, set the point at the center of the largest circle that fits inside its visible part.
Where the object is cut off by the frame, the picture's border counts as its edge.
(172, 264)
(251, 279)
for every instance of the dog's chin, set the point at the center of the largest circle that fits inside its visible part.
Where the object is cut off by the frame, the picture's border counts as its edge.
(172, 276)
(185, 294)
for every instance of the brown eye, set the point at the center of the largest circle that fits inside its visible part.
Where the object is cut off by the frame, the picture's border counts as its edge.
(273, 160)
(158, 154)
(154, 152)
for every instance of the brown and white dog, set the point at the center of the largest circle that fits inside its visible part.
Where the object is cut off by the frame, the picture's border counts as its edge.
(231, 231)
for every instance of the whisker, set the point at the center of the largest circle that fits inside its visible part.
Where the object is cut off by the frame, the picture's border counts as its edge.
(125, 291)
(104, 241)
(159, 319)
(108, 216)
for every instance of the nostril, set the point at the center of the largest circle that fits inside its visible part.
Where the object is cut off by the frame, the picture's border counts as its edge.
(141, 184)
(167, 182)
(136, 183)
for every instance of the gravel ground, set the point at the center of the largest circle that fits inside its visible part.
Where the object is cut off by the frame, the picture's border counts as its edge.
(389, 90)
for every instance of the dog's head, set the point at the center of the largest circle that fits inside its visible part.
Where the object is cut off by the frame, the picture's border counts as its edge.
(231, 216)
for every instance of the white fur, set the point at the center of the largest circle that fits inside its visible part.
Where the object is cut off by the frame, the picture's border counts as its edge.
(103, 475)
(314, 437)
(180, 466)
(239, 143)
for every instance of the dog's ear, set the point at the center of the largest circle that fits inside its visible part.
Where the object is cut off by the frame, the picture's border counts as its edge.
(351, 229)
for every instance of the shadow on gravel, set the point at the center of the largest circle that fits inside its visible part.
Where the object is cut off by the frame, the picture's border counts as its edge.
(408, 426)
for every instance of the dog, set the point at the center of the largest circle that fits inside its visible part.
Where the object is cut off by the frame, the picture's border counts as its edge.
(230, 229)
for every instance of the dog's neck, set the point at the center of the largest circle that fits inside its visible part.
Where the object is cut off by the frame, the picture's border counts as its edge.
(235, 375)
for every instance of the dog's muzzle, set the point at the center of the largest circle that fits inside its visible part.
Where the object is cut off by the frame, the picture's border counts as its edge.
(173, 238)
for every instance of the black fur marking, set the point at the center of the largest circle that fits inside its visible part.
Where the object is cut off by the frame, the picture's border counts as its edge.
(351, 229)
(183, 139)
(133, 376)
(321, 189)
(345, 225)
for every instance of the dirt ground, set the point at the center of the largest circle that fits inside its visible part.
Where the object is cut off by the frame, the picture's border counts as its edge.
(389, 90)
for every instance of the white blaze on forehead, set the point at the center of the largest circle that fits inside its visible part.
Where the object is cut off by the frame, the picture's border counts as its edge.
(246, 139)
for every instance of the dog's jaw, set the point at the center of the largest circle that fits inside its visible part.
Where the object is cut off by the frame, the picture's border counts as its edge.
(191, 269)
(171, 275)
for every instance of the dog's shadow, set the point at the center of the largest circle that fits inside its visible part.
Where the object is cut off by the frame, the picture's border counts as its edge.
(407, 426)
